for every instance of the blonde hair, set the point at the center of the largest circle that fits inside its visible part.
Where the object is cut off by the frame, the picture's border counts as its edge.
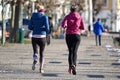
(39, 7)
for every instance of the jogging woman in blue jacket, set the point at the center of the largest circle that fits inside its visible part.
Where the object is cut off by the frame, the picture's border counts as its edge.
(40, 26)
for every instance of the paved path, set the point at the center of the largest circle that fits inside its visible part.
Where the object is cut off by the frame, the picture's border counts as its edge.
(94, 62)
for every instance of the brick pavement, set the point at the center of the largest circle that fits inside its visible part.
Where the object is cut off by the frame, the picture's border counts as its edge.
(94, 62)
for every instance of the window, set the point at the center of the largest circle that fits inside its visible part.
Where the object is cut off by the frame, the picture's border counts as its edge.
(105, 3)
(118, 4)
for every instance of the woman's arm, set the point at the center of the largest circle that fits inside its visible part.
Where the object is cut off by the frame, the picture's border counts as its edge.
(64, 22)
(82, 24)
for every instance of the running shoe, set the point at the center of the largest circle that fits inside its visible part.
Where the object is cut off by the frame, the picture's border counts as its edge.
(41, 71)
(69, 70)
(73, 70)
(33, 66)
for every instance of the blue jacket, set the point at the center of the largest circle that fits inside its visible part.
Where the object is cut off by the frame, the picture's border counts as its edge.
(98, 28)
(39, 24)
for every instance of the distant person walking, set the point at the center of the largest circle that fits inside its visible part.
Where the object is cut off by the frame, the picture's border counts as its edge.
(48, 39)
(73, 23)
(39, 24)
(89, 29)
(98, 29)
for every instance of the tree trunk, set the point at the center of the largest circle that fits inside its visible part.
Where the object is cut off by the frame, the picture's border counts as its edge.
(12, 34)
(16, 22)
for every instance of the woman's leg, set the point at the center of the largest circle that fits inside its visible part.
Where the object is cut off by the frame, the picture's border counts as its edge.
(75, 44)
(35, 52)
(75, 48)
(70, 48)
(69, 45)
(42, 42)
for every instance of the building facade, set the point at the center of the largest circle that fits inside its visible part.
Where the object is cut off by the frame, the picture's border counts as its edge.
(110, 14)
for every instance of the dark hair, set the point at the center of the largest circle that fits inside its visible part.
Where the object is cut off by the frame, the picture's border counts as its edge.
(50, 18)
(73, 8)
(98, 19)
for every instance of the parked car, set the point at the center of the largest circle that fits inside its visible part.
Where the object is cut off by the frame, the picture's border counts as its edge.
(6, 32)
(25, 23)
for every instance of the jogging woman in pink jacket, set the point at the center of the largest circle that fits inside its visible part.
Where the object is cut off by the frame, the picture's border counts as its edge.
(73, 23)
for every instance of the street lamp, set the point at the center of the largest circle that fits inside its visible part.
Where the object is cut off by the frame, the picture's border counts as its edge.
(33, 5)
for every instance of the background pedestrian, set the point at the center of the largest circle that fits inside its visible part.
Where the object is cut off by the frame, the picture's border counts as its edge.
(48, 37)
(98, 29)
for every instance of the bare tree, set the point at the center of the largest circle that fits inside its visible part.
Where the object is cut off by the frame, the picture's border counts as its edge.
(12, 3)
(15, 18)
(96, 8)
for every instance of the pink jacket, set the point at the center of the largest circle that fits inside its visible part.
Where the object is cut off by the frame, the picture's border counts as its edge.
(74, 23)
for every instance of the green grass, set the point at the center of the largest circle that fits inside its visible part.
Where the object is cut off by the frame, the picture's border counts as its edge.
(6, 44)
(26, 41)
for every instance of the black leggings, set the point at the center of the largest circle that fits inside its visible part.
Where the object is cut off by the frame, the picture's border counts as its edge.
(73, 41)
(39, 43)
